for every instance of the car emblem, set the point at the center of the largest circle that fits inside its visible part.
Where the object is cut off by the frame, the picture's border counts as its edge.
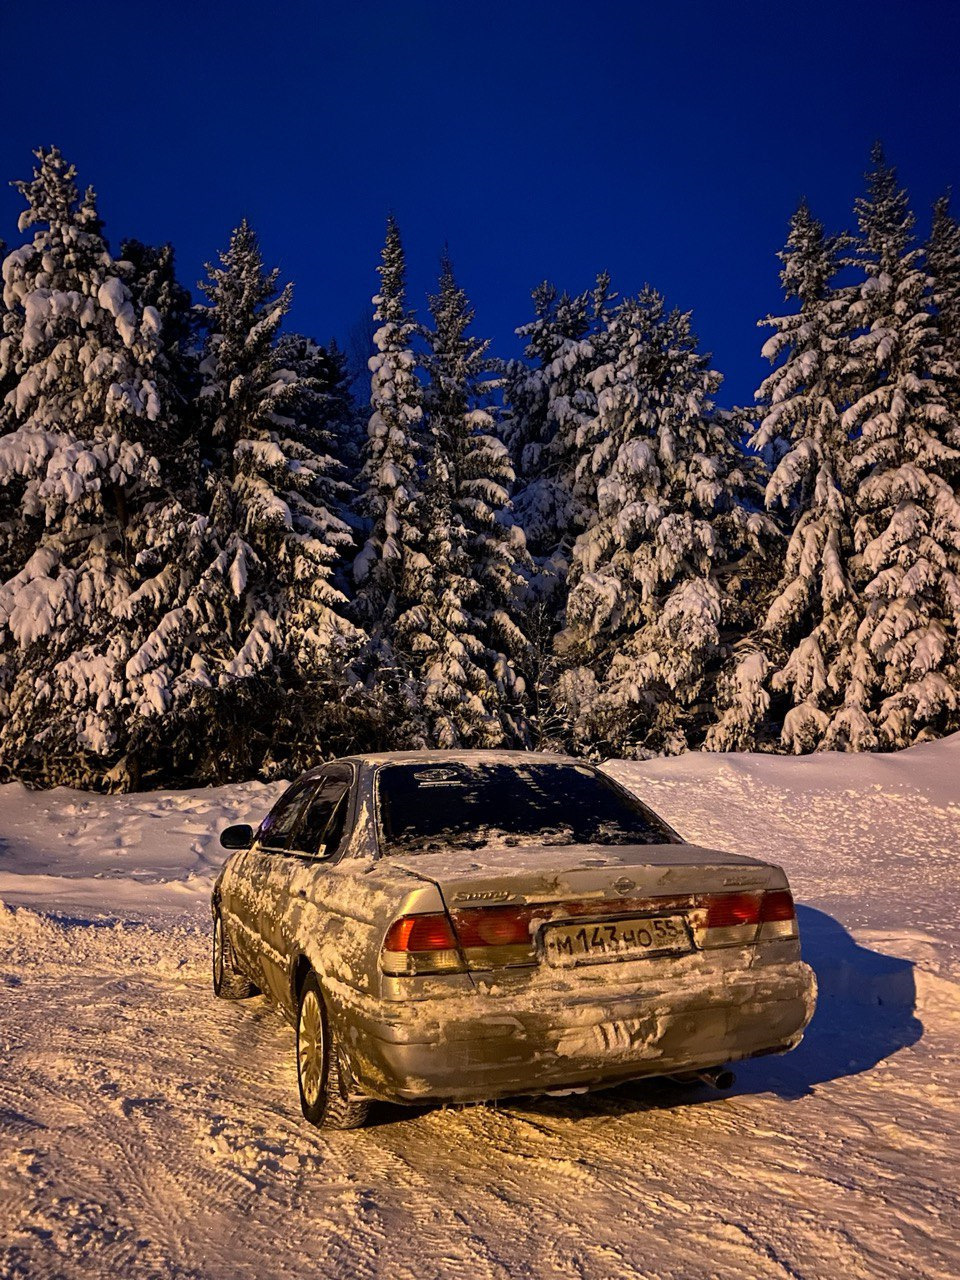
(623, 885)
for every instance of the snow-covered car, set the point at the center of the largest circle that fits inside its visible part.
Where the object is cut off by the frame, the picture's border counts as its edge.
(445, 926)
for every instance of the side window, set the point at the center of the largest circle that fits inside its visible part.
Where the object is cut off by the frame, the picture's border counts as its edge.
(283, 820)
(338, 821)
(321, 828)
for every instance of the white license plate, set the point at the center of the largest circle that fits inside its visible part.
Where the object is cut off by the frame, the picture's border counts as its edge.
(585, 943)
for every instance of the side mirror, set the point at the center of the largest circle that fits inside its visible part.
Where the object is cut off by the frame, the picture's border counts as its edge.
(239, 836)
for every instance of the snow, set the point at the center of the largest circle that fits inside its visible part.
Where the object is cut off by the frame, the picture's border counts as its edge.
(149, 1130)
(68, 850)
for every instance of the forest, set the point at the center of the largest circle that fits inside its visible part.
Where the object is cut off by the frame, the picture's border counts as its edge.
(219, 561)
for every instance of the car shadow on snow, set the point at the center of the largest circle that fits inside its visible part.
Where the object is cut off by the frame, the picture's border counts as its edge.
(865, 1013)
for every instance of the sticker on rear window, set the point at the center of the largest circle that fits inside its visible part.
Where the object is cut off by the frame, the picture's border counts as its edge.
(438, 778)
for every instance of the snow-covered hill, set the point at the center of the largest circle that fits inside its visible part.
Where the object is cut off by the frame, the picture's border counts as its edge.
(147, 1130)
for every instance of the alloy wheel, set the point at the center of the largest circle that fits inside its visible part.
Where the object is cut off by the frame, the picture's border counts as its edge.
(310, 1047)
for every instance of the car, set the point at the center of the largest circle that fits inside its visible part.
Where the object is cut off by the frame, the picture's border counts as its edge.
(448, 926)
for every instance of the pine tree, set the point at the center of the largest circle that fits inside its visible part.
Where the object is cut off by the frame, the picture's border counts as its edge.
(549, 401)
(87, 450)
(319, 411)
(907, 456)
(327, 403)
(809, 629)
(276, 490)
(646, 606)
(461, 630)
(150, 274)
(943, 267)
(390, 567)
(13, 551)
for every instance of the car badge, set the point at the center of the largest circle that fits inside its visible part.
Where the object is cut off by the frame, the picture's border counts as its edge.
(483, 895)
(623, 885)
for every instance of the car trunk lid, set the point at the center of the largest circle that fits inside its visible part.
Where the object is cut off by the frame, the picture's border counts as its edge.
(571, 906)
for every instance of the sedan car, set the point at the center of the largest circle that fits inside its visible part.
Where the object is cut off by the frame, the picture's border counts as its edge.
(463, 926)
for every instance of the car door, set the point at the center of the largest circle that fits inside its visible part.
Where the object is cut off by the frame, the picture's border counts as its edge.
(297, 878)
(258, 893)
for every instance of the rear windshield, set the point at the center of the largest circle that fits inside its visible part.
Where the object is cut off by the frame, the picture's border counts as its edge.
(425, 808)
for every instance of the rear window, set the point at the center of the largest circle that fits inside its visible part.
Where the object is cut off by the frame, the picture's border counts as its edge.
(425, 808)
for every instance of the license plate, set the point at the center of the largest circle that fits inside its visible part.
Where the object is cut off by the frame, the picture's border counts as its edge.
(569, 944)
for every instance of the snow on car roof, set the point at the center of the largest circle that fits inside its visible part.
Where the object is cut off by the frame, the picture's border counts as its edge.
(463, 757)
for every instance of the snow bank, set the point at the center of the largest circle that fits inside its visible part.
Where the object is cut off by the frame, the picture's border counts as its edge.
(63, 849)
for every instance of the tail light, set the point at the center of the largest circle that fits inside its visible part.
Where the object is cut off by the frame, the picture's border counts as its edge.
(477, 938)
(738, 919)
(731, 910)
(497, 937)
(421, 944)
(778, 916)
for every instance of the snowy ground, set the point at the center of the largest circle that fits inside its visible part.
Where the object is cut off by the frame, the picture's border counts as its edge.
(147, 1130)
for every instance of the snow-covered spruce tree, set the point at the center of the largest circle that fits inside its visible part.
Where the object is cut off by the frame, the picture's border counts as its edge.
(328, 404)
(648, 601)
(943, 267)
(13, 550)
(808, 633)
(905, 683)
(275, 495)
(390, 566)
(150, 275)
(170, 670)
(331, 705)
(390, 569)
(317, 397)
(549, 398)
(460, 636)
(105, 549)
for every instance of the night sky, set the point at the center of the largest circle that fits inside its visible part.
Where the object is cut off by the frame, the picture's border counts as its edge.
(665, 143)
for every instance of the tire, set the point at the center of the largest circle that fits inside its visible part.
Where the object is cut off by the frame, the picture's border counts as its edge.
(228, 984)
(318, 1066)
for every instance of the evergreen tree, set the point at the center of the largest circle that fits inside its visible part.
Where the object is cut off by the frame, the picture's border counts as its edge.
(13, 529)
(907, 456)
(461, 630)
(150, 275)
(810, 627)
(943, 266)
(390, 566)
(276, 490)
(317, 398)
(550, 400)
(646, 606)
(328, 405)
(86, 450)
(741, 701)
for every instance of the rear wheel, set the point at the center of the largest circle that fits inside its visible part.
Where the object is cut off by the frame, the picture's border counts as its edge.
(228, 984)
(318, 1066)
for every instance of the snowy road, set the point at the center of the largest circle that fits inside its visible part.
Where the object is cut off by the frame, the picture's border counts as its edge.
(147, 1130)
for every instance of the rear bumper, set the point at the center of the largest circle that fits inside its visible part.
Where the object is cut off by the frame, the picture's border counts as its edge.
(480, 1047)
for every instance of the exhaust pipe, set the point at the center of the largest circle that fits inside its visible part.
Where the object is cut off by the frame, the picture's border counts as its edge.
(721, 1078)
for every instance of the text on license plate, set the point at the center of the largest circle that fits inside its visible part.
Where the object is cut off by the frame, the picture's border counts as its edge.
(616, 939)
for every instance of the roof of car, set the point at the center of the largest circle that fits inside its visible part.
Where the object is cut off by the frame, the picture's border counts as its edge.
(457, 757)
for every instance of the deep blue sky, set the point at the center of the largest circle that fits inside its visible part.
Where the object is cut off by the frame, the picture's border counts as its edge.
(666, 143)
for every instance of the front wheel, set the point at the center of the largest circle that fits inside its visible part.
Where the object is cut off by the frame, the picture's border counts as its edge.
(228, 984)
(318, 1066)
